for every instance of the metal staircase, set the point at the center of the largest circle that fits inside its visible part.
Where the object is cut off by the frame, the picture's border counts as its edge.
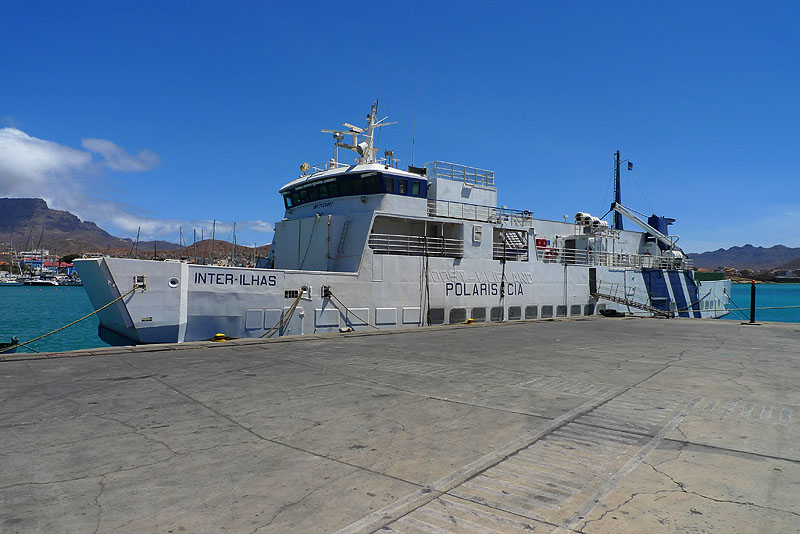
(611, 295)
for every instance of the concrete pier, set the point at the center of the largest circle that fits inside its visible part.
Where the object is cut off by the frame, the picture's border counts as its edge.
(590, 425)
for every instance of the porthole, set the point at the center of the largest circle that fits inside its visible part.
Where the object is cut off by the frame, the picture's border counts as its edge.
(173, 282)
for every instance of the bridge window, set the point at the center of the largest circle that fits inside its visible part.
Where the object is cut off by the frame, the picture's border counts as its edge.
(353, 184)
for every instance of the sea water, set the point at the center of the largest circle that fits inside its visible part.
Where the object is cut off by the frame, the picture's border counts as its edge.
(767, 296)
(30, 311)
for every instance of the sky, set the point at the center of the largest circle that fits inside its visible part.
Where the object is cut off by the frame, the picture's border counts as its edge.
(167, 115)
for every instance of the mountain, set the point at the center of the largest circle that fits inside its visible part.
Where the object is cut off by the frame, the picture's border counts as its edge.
(747, 257)
(32, 225)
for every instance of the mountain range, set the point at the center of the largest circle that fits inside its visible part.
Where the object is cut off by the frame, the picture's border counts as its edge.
(31, 224)
(749, 257)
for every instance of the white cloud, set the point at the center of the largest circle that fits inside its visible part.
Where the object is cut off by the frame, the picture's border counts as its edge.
(117, 159)
(61, 175)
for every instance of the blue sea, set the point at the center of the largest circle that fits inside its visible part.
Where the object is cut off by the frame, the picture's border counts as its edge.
(28, 312)
(767, 295)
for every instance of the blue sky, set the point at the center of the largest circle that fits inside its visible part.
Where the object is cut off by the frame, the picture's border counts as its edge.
(176, 113)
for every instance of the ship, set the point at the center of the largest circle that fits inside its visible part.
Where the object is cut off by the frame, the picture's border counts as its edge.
(369, 245)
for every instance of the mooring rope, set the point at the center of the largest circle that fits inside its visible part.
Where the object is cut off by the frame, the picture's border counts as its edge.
(70, 324)
(284, 319)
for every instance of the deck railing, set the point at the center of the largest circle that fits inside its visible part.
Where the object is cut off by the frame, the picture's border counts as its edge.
(501, 251)
(460, 173)
(411, 245)
(474, 212)
(570, 256)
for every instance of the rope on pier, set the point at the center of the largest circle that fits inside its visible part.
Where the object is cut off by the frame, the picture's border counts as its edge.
(350, 311)
(135, 287)
(285, 317)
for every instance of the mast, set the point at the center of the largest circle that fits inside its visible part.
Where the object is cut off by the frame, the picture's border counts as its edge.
(233, 249)
(617, 193)
(213, 236)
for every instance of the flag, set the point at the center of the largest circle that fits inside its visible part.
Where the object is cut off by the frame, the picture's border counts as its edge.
(630, 166)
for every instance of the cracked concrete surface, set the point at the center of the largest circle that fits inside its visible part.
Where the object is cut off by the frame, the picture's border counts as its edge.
(418, 430)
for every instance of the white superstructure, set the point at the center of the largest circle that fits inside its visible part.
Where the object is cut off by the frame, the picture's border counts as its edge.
(369, 245)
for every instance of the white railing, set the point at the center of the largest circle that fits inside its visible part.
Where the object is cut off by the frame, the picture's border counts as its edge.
(570, 256)
(412, 245)
(460, 173)
(501, 251)
(474, 212)
(330, 164)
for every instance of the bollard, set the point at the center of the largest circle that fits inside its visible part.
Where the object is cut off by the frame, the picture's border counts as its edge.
(752, 302)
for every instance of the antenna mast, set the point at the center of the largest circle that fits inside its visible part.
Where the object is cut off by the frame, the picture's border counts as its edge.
(617, 193)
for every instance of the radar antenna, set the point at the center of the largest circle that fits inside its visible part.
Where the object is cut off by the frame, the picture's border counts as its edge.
(366, 147)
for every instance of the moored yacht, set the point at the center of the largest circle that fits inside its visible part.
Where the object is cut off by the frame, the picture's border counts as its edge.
(370, 245)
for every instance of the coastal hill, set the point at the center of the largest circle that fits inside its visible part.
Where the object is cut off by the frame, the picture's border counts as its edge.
(33, 225)
(749, 257)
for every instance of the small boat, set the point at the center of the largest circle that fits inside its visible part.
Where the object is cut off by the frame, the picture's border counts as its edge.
(9, 348)
(8, 281)
(41, 282)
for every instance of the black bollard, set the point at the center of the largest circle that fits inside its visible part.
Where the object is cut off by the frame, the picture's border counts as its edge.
(752, 302)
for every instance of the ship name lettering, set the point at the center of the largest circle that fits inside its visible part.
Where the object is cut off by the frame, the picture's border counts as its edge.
(228, 279)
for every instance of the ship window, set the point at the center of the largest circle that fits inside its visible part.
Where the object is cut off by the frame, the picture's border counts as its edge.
(295, 197)
(312, 194)
(561, 311)
(496, 314)
(588, 309)
(531, 312)
(345, 187)
(402, 187)
(514, 313)
(388, 184)
(436, 315)
(287, 199)
(333, 189)
(322, 191)
(371, 185)
(415, 189)
(358, 186)
(575, 309)
(303, 196)
(479, 314)
(547, 312)
(458, 315)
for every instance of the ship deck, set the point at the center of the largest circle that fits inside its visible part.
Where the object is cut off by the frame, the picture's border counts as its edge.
(589, 425)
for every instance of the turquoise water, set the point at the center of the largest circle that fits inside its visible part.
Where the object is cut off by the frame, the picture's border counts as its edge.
(30, 311)
(767, 295)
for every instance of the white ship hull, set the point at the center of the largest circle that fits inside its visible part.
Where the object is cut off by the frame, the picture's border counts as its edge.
(185, 302)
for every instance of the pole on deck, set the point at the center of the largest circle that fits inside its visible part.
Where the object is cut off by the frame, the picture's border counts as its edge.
(752, 302)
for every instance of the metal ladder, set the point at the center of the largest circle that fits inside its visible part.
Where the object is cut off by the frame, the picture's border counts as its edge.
(634, 304)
